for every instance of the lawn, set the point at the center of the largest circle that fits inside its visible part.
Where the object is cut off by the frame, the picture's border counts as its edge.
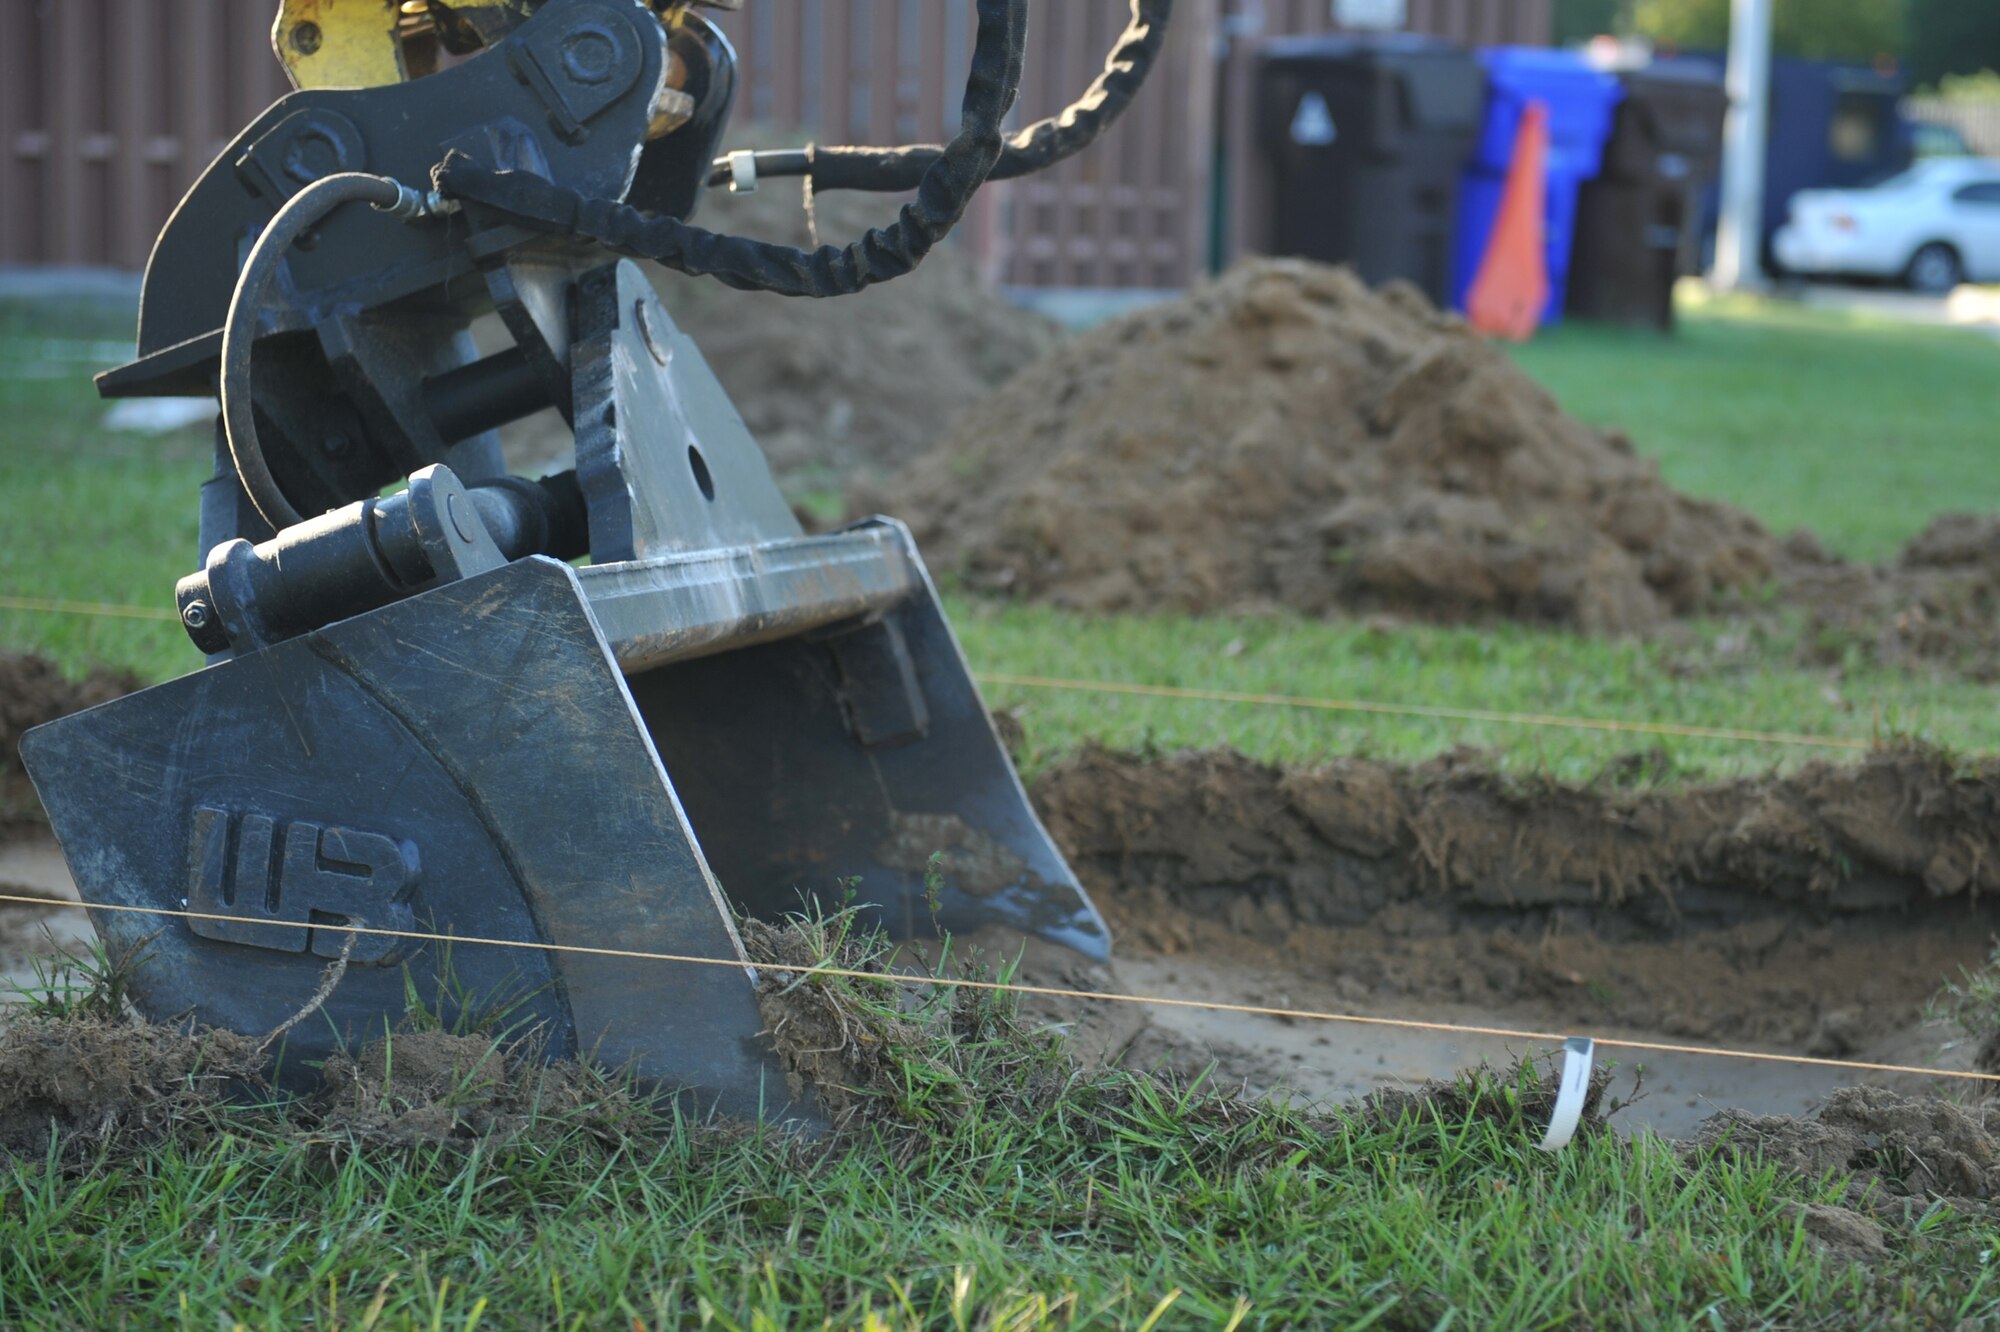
(1854, 426)
(995, 1185)
(1003, 1187)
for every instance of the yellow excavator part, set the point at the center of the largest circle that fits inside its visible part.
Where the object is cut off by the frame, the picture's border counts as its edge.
(373, 43)
(340, 43)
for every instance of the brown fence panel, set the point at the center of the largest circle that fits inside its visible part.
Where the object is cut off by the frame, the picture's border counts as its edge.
(109, 110)
(1131, 213)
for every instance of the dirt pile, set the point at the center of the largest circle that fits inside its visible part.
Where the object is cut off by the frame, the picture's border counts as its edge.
(1286, 437)
(1817, 910)
(96, 1077)
(1897, 1147)
(1936, 606)
(842, 389)
(34, 690)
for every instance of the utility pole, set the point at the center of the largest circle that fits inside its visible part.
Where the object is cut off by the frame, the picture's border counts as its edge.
(1739, 241)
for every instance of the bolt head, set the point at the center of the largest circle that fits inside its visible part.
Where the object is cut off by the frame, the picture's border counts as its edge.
(196, 615)
(455, 510)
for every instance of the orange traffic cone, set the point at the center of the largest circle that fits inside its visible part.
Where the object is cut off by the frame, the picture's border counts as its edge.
(1512, 286)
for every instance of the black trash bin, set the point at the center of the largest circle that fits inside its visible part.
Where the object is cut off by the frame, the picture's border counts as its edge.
(1366, 138)
(1639, 223)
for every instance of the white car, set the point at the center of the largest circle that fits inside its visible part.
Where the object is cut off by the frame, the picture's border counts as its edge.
(1934, 226)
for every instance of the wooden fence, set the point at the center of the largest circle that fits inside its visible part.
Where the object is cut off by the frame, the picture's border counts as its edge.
(109, 109)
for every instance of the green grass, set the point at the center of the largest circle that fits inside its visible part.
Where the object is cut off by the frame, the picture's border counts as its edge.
(1720, 679)
(1090, 1214)
(994, 1185)
(88, 515)
(1858, 428)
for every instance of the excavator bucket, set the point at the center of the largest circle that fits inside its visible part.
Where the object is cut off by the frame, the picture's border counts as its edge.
(610, 759)
(518, 751)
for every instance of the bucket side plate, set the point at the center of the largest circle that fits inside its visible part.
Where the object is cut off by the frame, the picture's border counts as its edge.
(467, 762)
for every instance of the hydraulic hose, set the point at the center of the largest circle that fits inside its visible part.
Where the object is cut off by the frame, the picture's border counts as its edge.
(306, 210)
(944, 185)
(1036, 148)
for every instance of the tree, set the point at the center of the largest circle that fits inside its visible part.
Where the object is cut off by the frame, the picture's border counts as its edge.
(1580, 20)
(1952, 37)
(1816, 29)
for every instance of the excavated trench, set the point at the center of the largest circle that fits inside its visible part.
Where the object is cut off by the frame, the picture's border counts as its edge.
(1816, 912)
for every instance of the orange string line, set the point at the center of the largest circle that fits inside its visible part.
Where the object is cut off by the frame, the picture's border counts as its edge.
(48, 607)
(1043, 991)
(1207, 695)
(1419, 710)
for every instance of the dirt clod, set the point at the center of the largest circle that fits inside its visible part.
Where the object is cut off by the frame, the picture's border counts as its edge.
(827, 1045)
(423, 1088)
(91, 1079)
(865, 1050)
(1286, 437)
(1896, 1146)
(1936, 606)
(1841, 1233)
(1515, 1099)
(34, 690)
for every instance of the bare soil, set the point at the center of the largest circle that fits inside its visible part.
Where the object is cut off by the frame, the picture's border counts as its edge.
(1899, 1148)
(32, 691)
(1817, 913)
(1936, 607)
(1286, 437)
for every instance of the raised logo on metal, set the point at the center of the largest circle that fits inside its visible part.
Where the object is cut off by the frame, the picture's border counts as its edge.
(293, 885)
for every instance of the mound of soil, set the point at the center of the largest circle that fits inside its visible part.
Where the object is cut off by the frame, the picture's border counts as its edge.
(1937, 606)
(32, 691)
(842, 389)
(1286, 437)
(1897, 1147)
(1816, 910)
(93, 1079)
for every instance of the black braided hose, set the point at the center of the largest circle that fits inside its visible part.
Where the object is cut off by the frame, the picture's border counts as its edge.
(945, 186)
(1036, 148)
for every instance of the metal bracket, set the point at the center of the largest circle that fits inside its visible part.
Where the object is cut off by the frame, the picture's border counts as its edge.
(663, 456)
(579, 67)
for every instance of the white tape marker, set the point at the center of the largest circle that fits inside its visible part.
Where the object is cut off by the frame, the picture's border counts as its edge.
(1579, 1053)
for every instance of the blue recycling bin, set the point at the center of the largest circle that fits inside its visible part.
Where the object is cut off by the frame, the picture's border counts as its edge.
(1581, 102)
